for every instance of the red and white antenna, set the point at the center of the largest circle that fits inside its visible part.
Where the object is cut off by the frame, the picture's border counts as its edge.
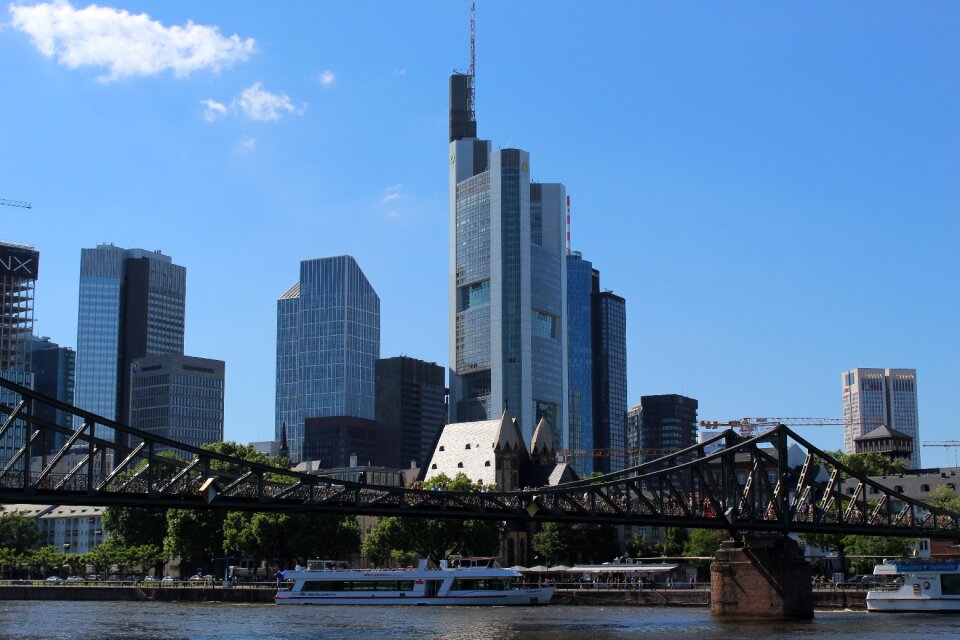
(568, 225)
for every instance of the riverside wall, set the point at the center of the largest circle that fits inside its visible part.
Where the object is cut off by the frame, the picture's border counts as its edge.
(822, 599)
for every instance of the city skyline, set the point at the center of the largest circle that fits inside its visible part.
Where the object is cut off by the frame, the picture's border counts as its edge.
(731, 164)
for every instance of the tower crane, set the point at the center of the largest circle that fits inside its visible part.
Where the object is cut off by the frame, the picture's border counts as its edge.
(947, 444)
(15, 203)
(750, 427)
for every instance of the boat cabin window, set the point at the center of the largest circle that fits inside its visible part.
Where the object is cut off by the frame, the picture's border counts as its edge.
(358, 585)
(327, 565)
(481, 584)
(950, 584)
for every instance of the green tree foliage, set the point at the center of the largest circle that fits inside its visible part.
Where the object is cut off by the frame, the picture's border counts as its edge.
(135, 526)
(561, 542)
(945, 497)
(875, 548)
(436, 538)
(674, 541)
(704, 542)
(640, 547)
(871, 464)
(287, 538)
(18, 532)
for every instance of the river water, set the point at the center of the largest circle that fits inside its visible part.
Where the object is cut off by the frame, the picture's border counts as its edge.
(175, 621)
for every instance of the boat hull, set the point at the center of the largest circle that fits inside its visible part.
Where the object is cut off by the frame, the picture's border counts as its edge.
(929, 605)
(518, 597)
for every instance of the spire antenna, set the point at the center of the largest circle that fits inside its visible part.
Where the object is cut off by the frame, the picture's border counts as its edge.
(473, 61)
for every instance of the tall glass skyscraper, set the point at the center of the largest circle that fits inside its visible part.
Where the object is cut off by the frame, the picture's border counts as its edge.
(580, 359)
(328, 341)
(508, 288)
(132, 304)
(609, 377)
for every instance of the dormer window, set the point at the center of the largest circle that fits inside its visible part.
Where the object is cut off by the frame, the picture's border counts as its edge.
(487, 463)
(467, 446)
(459, 465)
(924, 487)
(441, 447)
(433, 466)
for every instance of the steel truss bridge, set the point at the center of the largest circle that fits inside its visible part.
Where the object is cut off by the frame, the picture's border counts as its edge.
(746, 484)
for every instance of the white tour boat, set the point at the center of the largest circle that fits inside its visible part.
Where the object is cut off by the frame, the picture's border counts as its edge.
(459, 581)
(916, 585)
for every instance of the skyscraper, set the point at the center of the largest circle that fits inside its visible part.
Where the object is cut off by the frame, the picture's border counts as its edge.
(580, 360)
(667, 422)
(411, 410)
(508, 288)
(132, 304)
(609, 376)
(54, 372)
(19, 265)
(875, 397)
(178, 397)
(328, 339)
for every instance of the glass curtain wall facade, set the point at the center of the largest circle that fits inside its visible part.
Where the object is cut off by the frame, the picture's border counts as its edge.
(507, 282)
(54, 370)
(875, 397)
(328, 341)
(609, 378)
(132, 304)
(580, 358)
(668, 422)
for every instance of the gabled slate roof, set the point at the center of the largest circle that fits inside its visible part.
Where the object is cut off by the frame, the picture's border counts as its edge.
(470, 448)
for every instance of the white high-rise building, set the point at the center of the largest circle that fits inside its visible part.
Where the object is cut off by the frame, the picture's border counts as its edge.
(874, 397)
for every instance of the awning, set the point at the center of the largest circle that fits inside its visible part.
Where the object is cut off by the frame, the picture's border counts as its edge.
(605, 568)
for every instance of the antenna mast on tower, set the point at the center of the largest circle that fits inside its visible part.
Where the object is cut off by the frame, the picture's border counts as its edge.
(473, 60)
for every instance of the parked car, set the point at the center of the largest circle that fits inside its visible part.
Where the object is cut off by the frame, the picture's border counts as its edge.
(113, 578)
(54, 579)
(74, 578)
(151, 579)
(132, 578)
(167, 579)
(94, 578)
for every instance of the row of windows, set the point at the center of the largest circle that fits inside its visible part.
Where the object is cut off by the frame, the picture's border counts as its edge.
(358, 585)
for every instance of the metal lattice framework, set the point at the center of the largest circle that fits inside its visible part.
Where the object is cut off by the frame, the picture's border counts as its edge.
(727, 482)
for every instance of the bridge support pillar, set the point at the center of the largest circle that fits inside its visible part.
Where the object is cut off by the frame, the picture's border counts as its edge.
(766, 577)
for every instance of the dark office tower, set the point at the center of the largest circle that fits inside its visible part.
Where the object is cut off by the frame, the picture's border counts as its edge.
(669, 422)
(580, 361)
(411, 410)
(19, 265)
(131, 305)
(54, 369)
(328, 339)
(507, 282)
(609, 377)
(634, 437)
(178, 397)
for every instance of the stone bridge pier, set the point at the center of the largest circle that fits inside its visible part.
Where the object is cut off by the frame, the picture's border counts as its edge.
(765, 577)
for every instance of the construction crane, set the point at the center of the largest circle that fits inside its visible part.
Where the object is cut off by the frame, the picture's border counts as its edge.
(947, 444)
(604, 453)
(15, 203)
(750, 427)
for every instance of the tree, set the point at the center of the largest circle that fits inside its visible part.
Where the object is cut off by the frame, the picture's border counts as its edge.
(285, 537)
(945, 497)
(674, 541)
(135, 526)
(871, 464)
(704, 542)
(640, 547)
(576, 543)
(18, 532)
(874, 548)
(434, 537)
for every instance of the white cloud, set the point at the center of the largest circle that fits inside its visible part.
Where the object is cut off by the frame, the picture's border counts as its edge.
(392, 195)
(399, 72)
(258, 104)
(213, 110)
(248, 143)
(126, 44)
(326, 78)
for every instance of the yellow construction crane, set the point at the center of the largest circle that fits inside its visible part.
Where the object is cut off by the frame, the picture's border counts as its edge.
(15, 203)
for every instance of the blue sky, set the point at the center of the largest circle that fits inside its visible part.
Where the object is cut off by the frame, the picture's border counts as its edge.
(774, 189)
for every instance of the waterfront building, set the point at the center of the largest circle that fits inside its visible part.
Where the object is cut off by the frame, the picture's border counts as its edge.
(69, 528)
(880, 397)
(178, 397)
(132, 304)
(19, 267)
(609, 377)
(508, 334)
(669, 422)
(54, 369)
(411, 409)
(580, 361)
(328, 340)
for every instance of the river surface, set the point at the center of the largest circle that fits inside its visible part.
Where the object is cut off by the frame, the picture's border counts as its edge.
(175, 621)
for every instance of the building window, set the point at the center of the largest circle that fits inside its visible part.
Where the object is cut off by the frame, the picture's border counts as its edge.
(487, 463)
(459, 465)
